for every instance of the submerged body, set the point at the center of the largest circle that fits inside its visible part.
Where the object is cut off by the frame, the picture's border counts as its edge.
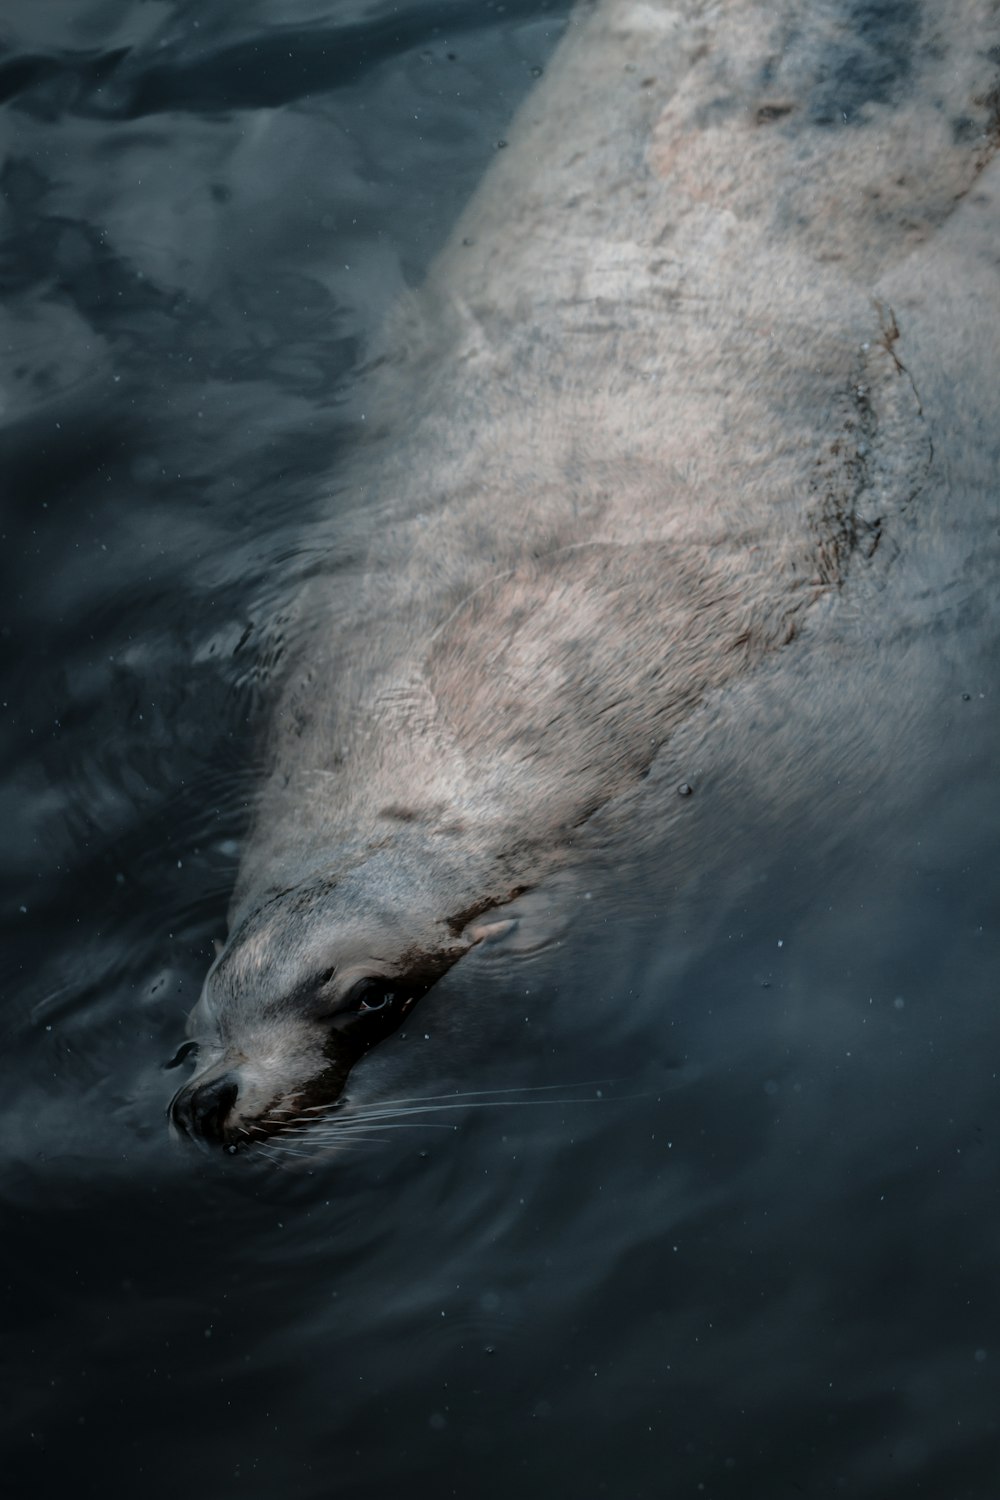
(664, 390)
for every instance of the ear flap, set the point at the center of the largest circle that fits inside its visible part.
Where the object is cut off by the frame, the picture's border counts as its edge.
(484, 932)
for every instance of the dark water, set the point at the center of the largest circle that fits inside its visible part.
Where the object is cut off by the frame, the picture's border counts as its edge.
(762, 1259)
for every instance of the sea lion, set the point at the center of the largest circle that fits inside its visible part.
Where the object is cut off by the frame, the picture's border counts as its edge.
(653, 402)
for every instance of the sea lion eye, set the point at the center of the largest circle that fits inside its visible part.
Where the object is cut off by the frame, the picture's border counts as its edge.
(368, 995)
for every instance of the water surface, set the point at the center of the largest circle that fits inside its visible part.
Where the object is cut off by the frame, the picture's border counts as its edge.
(748, 1246)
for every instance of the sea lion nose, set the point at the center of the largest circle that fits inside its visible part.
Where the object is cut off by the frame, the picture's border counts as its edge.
(202, 1110)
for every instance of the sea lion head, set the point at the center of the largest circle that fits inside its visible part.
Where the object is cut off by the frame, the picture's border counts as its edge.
(305, 985)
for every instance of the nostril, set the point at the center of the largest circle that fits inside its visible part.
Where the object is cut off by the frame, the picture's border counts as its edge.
(203, 1109)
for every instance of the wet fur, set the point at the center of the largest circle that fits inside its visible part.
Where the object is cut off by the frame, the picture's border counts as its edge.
(652, 404)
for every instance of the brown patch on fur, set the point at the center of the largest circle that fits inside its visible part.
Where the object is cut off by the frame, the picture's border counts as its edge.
(767, 113)
(990, 102)
(398, 813)
(882, 447)
(461, 919)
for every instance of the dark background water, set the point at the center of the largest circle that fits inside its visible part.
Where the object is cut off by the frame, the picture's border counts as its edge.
(760, 1261)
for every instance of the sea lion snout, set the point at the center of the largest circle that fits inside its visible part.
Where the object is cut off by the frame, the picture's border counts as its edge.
(201, 1109)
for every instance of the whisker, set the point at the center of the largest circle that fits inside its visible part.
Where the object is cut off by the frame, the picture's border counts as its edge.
(376, 1110)
(280, 1150)
(284, 1149)
(265, 1151)
(346, 1129)
(373, 1115)
(304, 1130)
(539, 1088)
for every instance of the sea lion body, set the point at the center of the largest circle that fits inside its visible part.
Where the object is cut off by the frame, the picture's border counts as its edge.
(653, 403)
